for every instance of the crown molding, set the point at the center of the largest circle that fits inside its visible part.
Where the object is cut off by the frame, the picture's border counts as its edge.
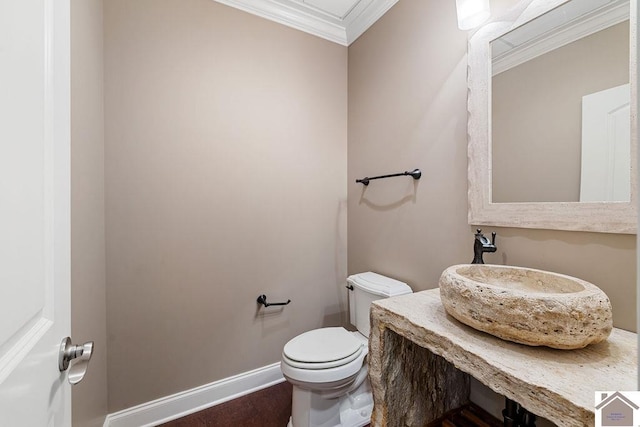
(296, 14)
(601, 19)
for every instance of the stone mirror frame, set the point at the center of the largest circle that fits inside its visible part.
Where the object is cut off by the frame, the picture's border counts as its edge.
(606, 217)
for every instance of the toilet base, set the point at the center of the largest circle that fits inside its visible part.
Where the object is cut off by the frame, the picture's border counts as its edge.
(353, 409)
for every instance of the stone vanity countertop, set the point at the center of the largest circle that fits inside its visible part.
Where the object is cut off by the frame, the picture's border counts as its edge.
(556, 384)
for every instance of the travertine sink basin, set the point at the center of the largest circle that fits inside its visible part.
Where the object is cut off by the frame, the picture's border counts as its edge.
(527, 306)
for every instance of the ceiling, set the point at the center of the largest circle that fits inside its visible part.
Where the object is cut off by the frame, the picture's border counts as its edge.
(339, 21)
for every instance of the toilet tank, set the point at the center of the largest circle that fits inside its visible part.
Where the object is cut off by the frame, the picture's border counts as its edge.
(368, 287)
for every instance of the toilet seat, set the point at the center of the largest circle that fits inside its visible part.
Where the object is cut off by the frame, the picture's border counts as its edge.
(322, 349)
(348, 349)
(329, 378)
(321, 365)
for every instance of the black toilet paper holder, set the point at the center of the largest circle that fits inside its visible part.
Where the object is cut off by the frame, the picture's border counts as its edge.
(262, 299)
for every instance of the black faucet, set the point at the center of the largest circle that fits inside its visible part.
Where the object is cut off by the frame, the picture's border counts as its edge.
(482, 245)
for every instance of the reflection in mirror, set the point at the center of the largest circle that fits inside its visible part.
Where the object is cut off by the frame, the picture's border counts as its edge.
(581, 208)
(560, 106)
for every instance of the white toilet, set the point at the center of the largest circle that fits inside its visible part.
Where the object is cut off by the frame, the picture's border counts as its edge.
(327, 367)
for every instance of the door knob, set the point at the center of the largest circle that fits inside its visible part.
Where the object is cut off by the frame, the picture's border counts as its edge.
(79, 355)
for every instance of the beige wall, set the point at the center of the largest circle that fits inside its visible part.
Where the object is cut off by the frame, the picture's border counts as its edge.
(407, 109)
(212, 118)
(537, 127)
(88, 292)
(225, 179)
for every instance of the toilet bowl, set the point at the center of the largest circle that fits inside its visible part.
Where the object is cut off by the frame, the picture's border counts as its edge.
(327, 367)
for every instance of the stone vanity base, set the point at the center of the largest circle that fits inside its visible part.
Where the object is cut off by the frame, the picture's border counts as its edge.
(430, 386)
(420, 359)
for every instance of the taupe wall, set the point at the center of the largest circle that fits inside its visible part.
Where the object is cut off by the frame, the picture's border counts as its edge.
(88, 292)
(537, 126)
(407, 109)
(212, 118)
(225, 179)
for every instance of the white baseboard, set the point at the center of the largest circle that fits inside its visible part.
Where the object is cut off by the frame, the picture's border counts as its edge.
(187, 402)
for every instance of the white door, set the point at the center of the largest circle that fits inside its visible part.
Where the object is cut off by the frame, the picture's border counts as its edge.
(606, 146)
(34, 211)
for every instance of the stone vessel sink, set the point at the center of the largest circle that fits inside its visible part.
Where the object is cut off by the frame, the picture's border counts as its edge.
(527, 306)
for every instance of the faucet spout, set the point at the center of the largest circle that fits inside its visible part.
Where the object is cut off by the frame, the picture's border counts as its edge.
(481, 245)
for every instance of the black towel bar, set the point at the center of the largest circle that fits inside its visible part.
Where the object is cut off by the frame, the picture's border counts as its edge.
(415, 174)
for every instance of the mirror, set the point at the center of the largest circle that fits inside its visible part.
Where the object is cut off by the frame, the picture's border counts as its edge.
(575, 60)
(552, 117)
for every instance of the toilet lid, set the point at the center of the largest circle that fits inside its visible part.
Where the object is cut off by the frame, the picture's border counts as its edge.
(322, 345)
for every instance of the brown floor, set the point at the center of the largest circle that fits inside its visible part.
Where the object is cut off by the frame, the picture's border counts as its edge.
(270, 407)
